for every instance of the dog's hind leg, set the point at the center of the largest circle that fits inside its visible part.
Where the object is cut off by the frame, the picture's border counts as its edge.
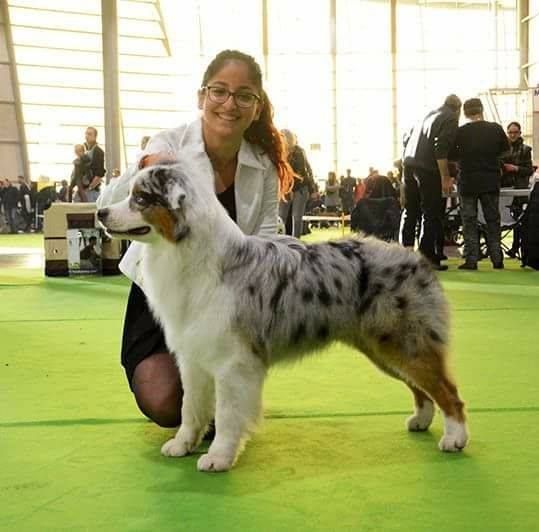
(238, 390)
(197, 411)
(428, 373)
(423, 414)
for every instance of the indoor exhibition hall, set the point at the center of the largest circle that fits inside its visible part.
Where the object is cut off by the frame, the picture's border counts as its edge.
(269, 265)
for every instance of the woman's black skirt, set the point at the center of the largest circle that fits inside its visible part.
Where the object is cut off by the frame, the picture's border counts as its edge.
(142, 336)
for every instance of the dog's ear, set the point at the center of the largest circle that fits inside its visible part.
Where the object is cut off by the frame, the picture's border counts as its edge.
(176, 196)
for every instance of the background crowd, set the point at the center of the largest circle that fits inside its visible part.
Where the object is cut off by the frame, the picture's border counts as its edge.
(438, 158)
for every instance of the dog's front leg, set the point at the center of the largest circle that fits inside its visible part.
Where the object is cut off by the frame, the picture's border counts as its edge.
(197, 411)
(238, 389)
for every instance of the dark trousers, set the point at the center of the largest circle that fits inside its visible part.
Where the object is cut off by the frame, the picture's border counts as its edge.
(27, 216)
(293, 210)
(516, 209)
(411, 214)
(11, 218)
(423, 200)
(468, 211)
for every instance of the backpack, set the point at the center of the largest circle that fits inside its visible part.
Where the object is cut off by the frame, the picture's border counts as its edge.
(530, 231)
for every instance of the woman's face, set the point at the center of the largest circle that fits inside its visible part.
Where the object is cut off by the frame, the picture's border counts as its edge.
(228, 119)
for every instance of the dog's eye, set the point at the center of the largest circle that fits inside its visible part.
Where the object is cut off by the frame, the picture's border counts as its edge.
(140, 201)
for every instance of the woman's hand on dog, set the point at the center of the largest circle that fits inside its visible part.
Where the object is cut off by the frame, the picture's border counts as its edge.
(152, 159)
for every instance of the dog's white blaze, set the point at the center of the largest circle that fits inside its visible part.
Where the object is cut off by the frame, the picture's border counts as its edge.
(122, 218)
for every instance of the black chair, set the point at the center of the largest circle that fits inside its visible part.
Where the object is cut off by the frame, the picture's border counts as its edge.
(512, 215)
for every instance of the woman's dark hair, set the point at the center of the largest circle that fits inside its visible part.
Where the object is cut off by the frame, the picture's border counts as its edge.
(514, 124)
(261, 132)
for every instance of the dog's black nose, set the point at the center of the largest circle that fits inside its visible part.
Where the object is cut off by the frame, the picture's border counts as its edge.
(102, 214)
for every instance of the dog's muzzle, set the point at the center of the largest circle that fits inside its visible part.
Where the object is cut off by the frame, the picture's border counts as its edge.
(102, 216)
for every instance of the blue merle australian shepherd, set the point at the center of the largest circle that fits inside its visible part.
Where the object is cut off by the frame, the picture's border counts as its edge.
(232, 305)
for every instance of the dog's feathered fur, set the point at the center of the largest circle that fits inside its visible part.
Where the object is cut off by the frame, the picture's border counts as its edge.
(231, 305)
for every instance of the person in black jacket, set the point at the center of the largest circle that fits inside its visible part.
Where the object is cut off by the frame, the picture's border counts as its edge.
(517, 169)
(427, 176)
(304, 186)
(25, 200)
(97, 157)
(517, 161)
(478, 148)
(348, 185)
(10, 200)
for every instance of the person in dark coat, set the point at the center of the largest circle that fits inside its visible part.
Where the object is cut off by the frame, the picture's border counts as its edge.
(25, 200)
(97, 163)
(478, 148)
(293, 207)
(427, 176)
(517, 170)
(348, 185)
(517, 160)
(10, 200)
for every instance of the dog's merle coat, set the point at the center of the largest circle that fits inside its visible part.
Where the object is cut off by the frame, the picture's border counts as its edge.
(362, 291)
(231, 305)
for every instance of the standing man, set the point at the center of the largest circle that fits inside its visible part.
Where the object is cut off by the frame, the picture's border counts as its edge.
(10, 199)
(427, 175)
(478, 148)
(348, 185)
(25, 200)
(97, 165)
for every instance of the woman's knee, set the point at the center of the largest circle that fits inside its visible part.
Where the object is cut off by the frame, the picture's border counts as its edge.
(158, 390)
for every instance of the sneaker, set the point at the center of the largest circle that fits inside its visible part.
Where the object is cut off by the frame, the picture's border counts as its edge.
(468, 266)
(498, 266)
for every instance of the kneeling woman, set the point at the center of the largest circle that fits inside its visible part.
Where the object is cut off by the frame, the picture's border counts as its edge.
(235, 140)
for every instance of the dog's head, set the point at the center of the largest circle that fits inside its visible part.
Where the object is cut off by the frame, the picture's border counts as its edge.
(163, 204)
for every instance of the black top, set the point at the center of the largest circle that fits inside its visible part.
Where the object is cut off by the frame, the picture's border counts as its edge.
(520, 155)
(10, 196)
(299, 163)
(431, 140)
(97, 158)
(478, 148)
(228, 201)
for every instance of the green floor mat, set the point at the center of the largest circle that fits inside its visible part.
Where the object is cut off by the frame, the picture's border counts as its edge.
(332, 453)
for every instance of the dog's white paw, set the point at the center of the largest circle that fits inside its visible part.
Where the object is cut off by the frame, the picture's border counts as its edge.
(455, 437)
(176, 447)
(214, 463)
(422, 418)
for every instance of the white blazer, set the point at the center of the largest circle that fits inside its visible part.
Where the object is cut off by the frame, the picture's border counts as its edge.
(255, 185)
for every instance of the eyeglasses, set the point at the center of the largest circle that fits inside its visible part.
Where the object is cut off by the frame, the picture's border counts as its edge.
(243, 99)
(513, 132)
